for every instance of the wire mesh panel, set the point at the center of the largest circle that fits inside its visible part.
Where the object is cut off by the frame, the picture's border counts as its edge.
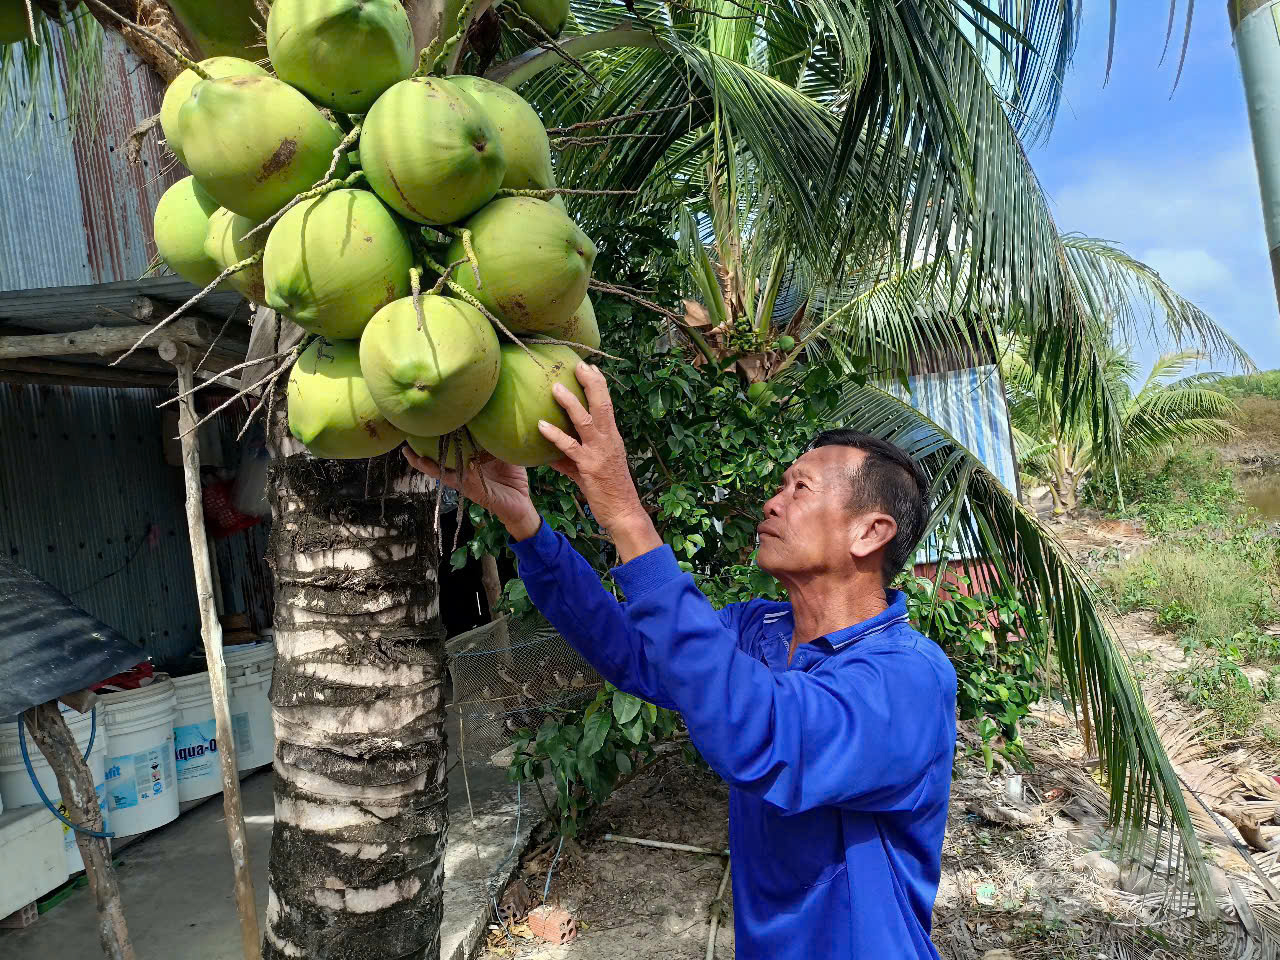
(513, 673)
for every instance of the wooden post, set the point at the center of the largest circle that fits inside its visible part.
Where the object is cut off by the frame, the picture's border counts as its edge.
(75, 783)
(211, 632)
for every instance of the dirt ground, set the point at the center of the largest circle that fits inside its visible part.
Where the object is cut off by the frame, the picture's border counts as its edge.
(631, 902)
(1029, 869)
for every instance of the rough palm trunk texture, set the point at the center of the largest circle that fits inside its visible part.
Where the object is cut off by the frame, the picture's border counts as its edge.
(357, 854)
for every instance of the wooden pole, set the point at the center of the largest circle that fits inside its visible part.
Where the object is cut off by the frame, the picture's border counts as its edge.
(75, 783)
(211, 633)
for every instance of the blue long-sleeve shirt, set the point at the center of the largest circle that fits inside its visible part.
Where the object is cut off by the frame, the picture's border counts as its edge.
(839, 762)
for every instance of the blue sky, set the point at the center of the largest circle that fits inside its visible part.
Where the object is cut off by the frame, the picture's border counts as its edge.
(1172, 180)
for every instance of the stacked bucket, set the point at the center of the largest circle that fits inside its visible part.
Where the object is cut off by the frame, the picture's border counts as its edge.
(154, 747)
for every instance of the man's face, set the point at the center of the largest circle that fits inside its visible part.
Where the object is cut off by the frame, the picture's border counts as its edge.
(808, 528)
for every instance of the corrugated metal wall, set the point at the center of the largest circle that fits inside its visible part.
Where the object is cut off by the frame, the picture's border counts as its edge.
(88, 503)
(73, 210)
(970, 405)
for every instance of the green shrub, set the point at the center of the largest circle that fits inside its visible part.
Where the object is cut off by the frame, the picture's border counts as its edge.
(589, 750)
(994, 646)
(1265, 384)
(1190, 489)
(1203, 589)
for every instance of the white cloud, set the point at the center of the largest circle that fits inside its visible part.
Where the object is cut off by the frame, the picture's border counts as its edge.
(1192, 271)
(1192, 213)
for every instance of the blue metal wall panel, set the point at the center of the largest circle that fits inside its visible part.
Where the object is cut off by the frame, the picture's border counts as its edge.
(90, 506)
(970, 405)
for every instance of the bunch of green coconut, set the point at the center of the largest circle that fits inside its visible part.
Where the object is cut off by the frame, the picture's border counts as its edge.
(421, 242)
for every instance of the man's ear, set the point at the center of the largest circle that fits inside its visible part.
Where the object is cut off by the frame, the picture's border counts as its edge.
(871, 533)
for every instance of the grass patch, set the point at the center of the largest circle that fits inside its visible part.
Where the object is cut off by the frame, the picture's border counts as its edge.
(1204, 589)
(1213, 579)
(1189, 490)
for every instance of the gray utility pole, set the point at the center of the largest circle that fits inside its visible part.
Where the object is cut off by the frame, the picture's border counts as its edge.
(1255, 30)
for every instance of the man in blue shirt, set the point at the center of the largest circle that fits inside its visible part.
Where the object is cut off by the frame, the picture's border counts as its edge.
(832, 720)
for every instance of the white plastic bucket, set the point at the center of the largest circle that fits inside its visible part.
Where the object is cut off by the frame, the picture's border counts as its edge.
(15, 782)
(142, 788)
(195, 739)
(249, 679)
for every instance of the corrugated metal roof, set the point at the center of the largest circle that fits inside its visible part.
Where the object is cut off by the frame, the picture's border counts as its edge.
(73, 210)
(90, 505)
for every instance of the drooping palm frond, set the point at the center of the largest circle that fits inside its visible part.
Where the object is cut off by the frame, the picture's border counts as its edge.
(983, 528)
(1166, 413)
(59, 69)
(1136, 298)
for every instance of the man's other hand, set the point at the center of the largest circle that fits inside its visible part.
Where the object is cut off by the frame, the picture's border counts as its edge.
(501, 488)
(597, 463)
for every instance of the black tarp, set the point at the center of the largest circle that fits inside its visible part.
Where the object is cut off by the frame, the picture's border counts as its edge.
(49, 647)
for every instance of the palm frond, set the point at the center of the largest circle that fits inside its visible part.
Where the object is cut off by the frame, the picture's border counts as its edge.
(59, 70)
(1162, 418)
(1134, 297)
(985, 529)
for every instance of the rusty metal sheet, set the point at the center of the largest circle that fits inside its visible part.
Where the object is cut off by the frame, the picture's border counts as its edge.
(72, 209)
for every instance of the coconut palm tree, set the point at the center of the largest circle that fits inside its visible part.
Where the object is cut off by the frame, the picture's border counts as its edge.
(885, 319)
(890, 137)
(1164, 413)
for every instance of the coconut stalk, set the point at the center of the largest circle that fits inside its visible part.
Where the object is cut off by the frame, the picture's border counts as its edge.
(357, 851)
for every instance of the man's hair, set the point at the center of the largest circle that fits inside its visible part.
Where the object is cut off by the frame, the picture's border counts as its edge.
(888, 480)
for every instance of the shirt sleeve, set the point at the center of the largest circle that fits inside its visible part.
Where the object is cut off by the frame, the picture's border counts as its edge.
(568, 592)
(864, 739)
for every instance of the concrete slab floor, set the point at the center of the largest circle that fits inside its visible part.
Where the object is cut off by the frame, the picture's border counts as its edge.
(176, 881)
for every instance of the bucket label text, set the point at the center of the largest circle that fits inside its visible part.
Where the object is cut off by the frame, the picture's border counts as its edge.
(134, 779)
(195, 745)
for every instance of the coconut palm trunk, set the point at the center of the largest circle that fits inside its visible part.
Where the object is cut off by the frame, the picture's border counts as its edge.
(358, 698)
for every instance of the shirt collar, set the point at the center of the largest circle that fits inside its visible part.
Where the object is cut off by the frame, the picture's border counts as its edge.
(894, 613)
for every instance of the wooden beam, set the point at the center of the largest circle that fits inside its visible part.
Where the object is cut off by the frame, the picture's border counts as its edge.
(101, 340)
(211, 634)
(75, 783)
(81, 701)
(58, 374)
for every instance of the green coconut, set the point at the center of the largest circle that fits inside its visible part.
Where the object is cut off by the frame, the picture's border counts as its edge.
(221, 27)
(534, 263)
(180, 89)
(430, 380)
(523, 138)
(333, 261)
(430, 151)
(429, 447)
(225, 245)
(181, 227)
(14, 27)
(330, 409)
(550, 14)
(507, 427)
(254, 142)
(341, 53)
(583, 328)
